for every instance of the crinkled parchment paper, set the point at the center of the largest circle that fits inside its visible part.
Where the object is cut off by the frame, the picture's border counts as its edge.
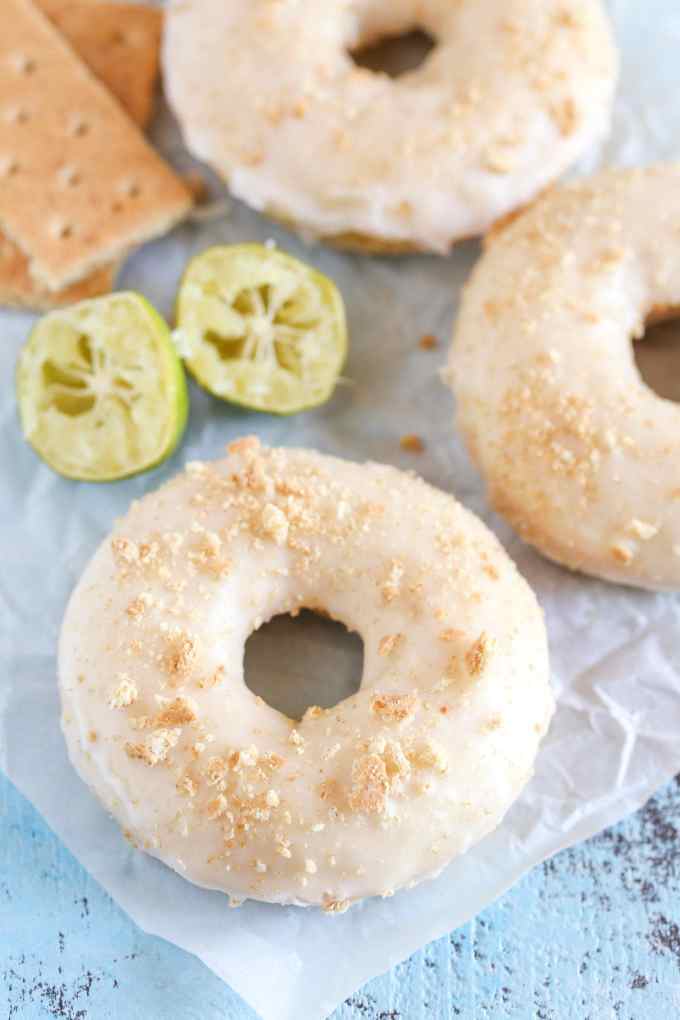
(615, 653)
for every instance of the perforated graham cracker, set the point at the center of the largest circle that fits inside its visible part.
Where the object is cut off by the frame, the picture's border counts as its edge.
(119, 42)
(88, 25)
(79, 185)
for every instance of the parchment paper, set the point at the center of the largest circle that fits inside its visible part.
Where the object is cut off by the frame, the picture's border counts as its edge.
(615, 652)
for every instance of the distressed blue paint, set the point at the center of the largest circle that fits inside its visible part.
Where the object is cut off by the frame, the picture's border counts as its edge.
(593, 935)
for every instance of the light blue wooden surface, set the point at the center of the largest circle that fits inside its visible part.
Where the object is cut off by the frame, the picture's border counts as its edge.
(594, 934)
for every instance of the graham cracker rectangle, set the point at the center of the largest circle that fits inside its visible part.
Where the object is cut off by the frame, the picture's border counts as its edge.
(119, 42)
(130, 69)
(79, 185)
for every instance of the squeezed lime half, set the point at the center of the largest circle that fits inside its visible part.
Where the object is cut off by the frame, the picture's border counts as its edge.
(261, 329)
(102, 393)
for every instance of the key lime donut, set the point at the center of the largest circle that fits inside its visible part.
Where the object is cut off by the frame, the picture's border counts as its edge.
(362, 799)
(578, 453)
(267, 93)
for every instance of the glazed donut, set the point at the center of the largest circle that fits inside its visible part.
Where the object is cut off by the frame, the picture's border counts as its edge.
(380, 791)
(579, 455)
(267, 93)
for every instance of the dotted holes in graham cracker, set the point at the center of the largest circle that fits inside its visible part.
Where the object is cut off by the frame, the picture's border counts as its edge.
(130, 188)
(79, 126)
(9, 167)
(61, 230)
(17, 115)
(127, 189)
(131, 40)
(23, 64)
(69, 177)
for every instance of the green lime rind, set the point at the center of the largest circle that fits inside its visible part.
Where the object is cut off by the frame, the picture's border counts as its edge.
(102, 393)
(260, 329)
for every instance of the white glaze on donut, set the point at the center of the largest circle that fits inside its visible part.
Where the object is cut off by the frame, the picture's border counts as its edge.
(380, 791)
(579, 454)
(266, 92)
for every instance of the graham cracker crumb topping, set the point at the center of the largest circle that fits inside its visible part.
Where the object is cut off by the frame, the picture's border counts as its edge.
(412, 443)
(370, 784)
(125, 692)
(334, 906)
(275, 523)
(395, 707)
(177, 713)
(391, 586)
(389, 643)
(156, 748)
(179, 655)
(623, 552)
(477, 656)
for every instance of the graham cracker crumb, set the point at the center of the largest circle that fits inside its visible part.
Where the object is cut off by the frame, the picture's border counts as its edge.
(248, 445)
(430, 755)
(492, 724)
(314, 712)
(330, 905)
(186, 786)
(138, 606)
(297, 741)
(156, 748)
(206, 553)
(642, 529)
(329, 790)
(214, 680)
(497, 160)
(412, 443)
(451, 634)
(477, 655)
(391, 586)
(125, 692)
(217, 807)
(178, 713)
(389, 643)
(395, 707)
(275, 523)
(125, 552)
(370, 784)
(622, 553)
(216, 770)
(396, 762)
(179, 655)
(565, 116)
(246, 758)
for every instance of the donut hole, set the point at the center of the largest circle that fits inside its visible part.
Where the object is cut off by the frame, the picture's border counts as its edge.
(293, 663)
(394, 55)
(657, 355)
